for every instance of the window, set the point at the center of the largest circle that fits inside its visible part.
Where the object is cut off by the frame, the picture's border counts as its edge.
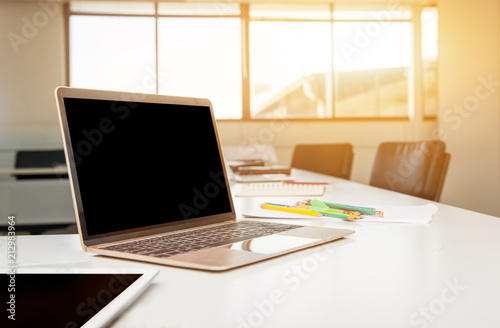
(259, 61)
(429, 60)
(201, 57)
(186, 50)
(289, 69)
(372, 62)
(113, 52)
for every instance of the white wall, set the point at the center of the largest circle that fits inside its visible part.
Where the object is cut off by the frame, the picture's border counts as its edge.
(469, 107)
(31, 66)
(468, 43)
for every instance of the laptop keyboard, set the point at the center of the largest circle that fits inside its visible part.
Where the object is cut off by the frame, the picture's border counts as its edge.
(194, 240)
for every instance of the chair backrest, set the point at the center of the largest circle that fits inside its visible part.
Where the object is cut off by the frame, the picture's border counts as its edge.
(331, 159)
(414, 168)
(40, 159)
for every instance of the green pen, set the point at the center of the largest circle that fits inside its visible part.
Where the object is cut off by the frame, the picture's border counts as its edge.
(324, 210)
(363, 210)
(340, 216)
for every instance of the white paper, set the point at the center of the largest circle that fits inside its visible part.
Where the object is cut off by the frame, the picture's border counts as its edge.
(404, 214)
(399, 214)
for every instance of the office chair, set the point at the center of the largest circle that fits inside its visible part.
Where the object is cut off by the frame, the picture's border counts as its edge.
(413, 168)
(40, 159)
(331, 159)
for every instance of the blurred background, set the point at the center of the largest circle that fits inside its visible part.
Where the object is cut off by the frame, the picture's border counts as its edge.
(278, 73)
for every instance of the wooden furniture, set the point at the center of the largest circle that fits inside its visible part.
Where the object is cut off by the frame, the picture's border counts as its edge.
(413, 168)
(331, 159)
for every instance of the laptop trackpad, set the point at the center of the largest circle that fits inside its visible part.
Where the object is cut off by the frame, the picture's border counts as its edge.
(241, 253)
(272, 244)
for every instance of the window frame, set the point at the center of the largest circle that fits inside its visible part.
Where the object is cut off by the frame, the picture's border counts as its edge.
(415, 80)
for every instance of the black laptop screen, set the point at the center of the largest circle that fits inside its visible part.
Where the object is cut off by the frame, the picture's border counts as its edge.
(59, 299)
(144, 164)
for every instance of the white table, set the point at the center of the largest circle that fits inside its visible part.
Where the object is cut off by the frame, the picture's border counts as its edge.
(37, 202)
(442, 274)
(60, 170)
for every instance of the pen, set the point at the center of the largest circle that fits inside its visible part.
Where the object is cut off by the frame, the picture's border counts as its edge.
(347, 217)
(334, 213)
(290, 209)
(302, 209)
(346, 212)
(335, 210)
(361, 209)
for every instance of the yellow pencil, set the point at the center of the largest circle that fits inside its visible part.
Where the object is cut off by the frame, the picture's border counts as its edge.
(291, 209)
(332, 210)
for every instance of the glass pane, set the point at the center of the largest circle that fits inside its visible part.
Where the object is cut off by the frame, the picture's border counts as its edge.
(290, 65)
(429, 59)
(115, 53)
(381, 13)
(201, 57)
(291, 11)
(193, 9)
(112, 7)
(371, 64)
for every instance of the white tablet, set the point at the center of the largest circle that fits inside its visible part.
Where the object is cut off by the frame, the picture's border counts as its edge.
(71, 299)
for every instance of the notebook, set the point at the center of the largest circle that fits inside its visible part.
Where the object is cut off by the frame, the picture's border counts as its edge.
(262, 178)
(149, 183)
(279, 189)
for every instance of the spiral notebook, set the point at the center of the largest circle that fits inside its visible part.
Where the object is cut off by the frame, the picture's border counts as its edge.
(280, 189)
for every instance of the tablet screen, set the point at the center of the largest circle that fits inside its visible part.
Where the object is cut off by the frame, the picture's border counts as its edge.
(66, 300)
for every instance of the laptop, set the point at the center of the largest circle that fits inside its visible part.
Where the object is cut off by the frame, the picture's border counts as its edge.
(149, 183)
